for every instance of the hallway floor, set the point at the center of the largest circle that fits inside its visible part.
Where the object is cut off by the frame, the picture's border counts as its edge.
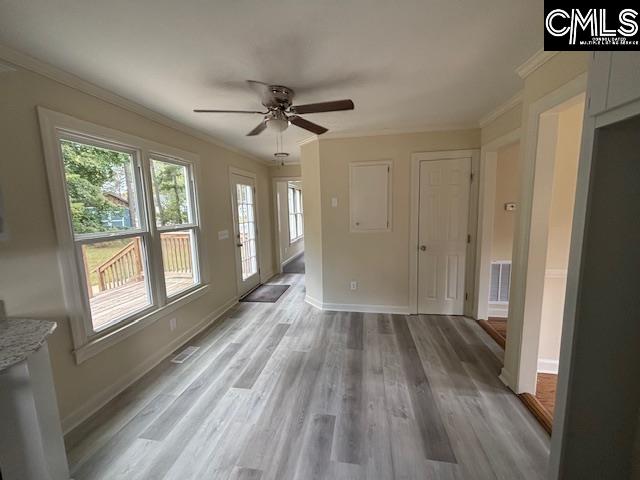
(283, 390)
(295, 266)
(546, 383)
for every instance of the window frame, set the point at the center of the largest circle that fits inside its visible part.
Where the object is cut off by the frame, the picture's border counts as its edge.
(87, 341)
(193, 226)
(295, 213)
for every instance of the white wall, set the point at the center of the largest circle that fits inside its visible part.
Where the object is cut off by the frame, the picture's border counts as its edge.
(507, 191)
(287, 250)
(379, 262)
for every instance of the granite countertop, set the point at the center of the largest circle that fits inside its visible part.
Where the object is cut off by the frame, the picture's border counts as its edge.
(20, 337)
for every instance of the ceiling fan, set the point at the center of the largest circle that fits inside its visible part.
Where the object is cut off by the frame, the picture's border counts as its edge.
(278, 99)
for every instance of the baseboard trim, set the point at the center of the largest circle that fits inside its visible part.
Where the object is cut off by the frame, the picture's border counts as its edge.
(547, 365)
(506, 378)
(540, 413)
(99, 400)
(265, 277)
(290, 259)
(493, 333)
(362, 308)
(498, 310)
(313, 302)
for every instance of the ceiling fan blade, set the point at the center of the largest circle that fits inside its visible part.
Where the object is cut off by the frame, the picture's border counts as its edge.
(307, 125)
(205, 110)
(259, 129)
(334, 106)
(262, 89)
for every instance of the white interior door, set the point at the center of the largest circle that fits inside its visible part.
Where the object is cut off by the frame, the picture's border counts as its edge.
(442, 235)
(246, 233)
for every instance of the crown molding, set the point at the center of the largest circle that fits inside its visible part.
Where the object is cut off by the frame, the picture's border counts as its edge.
(400, 131)
(70, 80)
(307, 140)
(377, 133)
(6, 68)
(534, 62)
(501, 110)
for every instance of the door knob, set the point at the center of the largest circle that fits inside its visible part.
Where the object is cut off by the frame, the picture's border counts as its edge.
(238, 244)
(423, 248)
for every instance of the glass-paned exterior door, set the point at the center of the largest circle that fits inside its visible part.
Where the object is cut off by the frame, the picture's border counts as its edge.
(246, 232)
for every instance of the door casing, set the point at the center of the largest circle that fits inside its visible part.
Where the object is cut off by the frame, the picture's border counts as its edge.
(470, 277)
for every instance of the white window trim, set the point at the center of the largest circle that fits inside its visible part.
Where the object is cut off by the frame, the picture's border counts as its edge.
(87, 345)
(301, 213)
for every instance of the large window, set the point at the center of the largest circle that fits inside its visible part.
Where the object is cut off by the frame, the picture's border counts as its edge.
(127, 220)
(296, 227)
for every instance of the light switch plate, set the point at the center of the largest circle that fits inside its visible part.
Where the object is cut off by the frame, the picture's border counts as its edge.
(223, 234)
(334, 202)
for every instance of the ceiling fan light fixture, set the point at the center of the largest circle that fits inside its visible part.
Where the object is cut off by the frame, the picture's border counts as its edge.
(281, 157)
(278, 124)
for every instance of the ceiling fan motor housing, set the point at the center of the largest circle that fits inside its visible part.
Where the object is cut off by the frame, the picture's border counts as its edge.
(281, 97)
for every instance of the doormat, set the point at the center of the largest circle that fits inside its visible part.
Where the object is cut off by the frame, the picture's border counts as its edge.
(265, 293)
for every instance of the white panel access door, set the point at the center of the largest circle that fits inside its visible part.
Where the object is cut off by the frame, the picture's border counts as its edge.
(369, 194)
(246, 232)
(442, 235)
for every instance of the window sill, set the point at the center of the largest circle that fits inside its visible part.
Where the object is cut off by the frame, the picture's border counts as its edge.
(97, 345)
(296, 240)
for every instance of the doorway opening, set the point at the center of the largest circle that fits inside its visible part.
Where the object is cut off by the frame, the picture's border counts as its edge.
(555, 171)
(536, 341)
(560, 131)
(289, 208)
(498, 210)
(507, 192)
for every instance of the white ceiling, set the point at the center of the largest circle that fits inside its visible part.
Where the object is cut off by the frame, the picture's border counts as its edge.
(407, 65)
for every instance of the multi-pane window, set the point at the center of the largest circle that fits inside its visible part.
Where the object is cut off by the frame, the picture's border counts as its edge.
(247, 230)
(173, 202)
(296, 226)
(125, 240)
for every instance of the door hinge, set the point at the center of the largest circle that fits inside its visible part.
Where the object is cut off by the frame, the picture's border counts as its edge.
(468, 238)
(388, 169)
(466, 295)
(471, 177)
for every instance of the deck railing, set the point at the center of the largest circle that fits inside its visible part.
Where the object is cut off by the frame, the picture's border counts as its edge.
(125, 265)
(176, 253)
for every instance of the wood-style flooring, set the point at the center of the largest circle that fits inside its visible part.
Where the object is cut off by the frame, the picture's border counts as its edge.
(543, 403)
(285, 391)
(296, 265)
(546, 391)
